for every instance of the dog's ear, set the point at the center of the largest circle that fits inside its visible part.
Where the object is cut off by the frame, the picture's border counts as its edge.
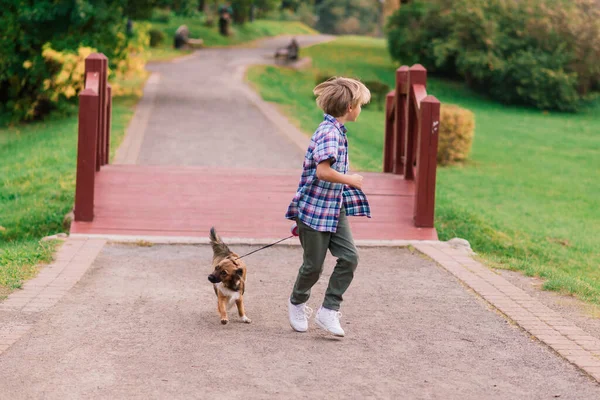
(234, 261)
(239, 271)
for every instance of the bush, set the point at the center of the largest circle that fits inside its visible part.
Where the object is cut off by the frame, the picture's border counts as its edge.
(306, 15)
(156, 37)
(321, 77)
(67, 76)
(379, 91)
(133, 65)
(161, 15)
(281, 15)
(413, 32)
(347, 16)
(457, 127)
(540, 52)
(67, 26)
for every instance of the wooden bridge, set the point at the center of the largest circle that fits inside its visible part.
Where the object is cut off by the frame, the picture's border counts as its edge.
(182, 203)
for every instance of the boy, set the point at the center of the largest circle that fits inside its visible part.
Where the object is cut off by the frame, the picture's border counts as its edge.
(325, 197)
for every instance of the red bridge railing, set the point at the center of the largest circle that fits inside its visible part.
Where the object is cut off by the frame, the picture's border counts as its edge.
(412, 121)
(93, 147)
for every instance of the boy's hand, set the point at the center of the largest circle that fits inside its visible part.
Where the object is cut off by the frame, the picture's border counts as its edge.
(356, 181)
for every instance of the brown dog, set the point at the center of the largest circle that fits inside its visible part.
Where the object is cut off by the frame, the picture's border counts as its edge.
(228, 278)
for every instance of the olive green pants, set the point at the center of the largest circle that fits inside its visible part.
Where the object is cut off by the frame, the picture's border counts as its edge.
(315, 245)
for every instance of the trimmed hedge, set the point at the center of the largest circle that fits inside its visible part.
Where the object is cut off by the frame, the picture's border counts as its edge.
(457, 129)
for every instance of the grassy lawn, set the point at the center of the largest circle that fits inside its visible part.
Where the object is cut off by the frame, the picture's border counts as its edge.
(240, 34)
(529, 197)
(37, 166)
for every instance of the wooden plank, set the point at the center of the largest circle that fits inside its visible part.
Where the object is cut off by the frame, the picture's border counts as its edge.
(146, 200)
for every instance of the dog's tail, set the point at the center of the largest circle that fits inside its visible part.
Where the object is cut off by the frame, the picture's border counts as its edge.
(220, 249)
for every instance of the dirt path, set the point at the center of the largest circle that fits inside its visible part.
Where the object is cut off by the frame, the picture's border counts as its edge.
(142, 323)
(202, 115)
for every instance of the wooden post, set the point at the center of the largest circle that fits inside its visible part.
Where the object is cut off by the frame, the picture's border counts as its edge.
(429, 124)
(98, 63)
(400, 118)
(417, 78)
(388, 145)
(86, 155)
(108, 122)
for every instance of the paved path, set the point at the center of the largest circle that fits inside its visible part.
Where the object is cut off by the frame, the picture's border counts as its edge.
(142, 324)
(202, 115)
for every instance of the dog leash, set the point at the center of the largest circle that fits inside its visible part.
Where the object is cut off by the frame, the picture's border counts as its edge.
(294, 233)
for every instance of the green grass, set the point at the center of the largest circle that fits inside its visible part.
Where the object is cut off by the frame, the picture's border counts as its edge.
(528, 199)
(37, 166)
(240, 34)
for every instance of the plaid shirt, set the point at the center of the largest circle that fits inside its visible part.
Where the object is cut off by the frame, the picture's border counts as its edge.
(317, 203)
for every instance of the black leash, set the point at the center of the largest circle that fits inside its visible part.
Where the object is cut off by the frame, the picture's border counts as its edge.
(262, 248)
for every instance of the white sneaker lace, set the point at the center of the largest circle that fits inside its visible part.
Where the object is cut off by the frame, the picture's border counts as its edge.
(333, 316)
(302, 313)
(307, 312)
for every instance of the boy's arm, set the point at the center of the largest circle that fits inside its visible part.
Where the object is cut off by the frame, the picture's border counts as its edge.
(326, 173)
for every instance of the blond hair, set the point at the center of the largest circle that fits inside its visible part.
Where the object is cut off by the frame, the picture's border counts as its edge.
(335, 95)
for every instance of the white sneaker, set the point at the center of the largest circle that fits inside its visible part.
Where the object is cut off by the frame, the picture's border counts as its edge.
(330, 321)
(299, 315)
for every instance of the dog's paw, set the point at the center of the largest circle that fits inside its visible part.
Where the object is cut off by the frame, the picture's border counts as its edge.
(224, 321)
(246, 320)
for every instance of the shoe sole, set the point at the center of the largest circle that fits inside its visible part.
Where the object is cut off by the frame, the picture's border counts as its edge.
(296, 330)
(320, 325)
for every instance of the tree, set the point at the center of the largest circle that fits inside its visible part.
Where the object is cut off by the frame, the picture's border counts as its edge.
(65, 25)
(348, 16)
(139, 9)
(241, 8)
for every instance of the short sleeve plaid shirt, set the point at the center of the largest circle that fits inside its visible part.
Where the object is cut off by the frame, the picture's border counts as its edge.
(317, 203)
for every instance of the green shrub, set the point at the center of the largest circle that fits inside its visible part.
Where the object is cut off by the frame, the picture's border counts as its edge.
(66, 26)
(161, 15)
(379, 91)
(410, 35)
(321, 77)
(156, 37)
(306, 15)
(542, 53)
(457, 128)
(282, 15)
(347, 16)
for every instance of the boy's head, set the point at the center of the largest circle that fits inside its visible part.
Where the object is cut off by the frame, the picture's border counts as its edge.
(342, 97)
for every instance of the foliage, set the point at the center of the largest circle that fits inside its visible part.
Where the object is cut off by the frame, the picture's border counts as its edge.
(139, 9)
(156, 37)
(348, 16)
(379, 91)
(161, 15)
(457, 128)
(65, 26)
(67, 75)
(132, 66)
(542, 53)
(306, 14)
(186, 8)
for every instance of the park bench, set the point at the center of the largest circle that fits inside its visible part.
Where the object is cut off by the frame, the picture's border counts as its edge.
(290, 52)
(183, 40)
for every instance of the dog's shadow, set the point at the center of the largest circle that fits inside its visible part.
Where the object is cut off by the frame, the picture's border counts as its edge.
(210, 319)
